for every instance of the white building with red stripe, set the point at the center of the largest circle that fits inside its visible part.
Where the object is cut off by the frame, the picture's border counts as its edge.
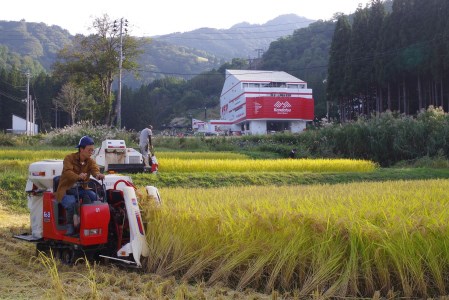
(260, 102)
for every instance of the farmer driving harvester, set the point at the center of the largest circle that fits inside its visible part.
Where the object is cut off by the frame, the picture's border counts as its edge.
(77, 167)
(146, 145)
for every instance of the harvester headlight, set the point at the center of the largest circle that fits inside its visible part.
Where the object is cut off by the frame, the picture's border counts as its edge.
(93, 231)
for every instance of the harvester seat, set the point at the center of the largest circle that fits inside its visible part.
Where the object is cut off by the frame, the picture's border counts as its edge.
(58, 208)
(56, 182)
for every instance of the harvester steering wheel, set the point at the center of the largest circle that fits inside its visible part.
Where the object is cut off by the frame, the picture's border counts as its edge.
(99, 189)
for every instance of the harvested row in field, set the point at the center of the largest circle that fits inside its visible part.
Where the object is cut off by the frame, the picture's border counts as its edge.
(337, 240)
(275, 165)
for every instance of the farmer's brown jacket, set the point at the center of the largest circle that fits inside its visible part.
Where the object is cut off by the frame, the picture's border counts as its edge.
(72, 167)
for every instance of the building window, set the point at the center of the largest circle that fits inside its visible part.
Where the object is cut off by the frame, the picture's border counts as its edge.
(275, 85)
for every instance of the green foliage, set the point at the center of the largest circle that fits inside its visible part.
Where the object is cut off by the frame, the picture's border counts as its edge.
(386, 139)
(92, 62)
(176, 143)
(12, 190)
(7, 140)
(70, 135)
(30, 45)
(437, 162)
(11, 140)
(304, 54)
(391, 61)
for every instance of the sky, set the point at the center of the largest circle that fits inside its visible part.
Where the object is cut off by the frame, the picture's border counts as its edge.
(149, 18)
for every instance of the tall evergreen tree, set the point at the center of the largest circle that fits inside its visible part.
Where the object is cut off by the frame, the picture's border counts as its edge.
(337, 85)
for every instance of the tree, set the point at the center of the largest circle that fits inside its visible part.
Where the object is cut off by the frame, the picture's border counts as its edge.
(338, 61)
(92, 61)
(71, 99)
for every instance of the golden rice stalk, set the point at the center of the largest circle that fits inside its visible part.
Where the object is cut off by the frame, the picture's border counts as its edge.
(277, 165)
(201, 155)
(33, 155)
(49, 262)
(336, 240)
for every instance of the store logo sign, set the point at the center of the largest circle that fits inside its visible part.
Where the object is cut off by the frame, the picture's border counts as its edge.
(282, 108)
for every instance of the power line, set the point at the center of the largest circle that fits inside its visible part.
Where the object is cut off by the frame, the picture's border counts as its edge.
(16, 99)
(13, 86)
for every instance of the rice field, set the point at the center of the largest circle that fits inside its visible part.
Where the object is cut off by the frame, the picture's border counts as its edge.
(389, 239)
(34, 155)
(275, 165)
(338, 240)
(201, 162)
(200, 155)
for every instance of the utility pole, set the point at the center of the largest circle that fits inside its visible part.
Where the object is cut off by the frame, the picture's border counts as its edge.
(32, 116)
(123, 23)
(27, 129)
(56, 115)
(259, 52)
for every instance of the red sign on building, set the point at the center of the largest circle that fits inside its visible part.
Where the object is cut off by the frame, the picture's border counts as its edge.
(279, 108)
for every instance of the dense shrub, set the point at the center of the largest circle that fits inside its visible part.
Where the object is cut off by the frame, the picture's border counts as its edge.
(179, 143)
(70, 135)
(386, 139)
(7, 139)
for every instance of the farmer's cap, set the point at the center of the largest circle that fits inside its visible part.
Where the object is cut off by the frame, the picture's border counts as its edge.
(85, 141)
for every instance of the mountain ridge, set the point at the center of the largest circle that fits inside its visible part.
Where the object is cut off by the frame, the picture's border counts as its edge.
(192, 52)
(241, 39)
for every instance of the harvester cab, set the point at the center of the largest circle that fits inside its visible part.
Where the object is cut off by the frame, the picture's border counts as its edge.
(113, 155)
(110, 227)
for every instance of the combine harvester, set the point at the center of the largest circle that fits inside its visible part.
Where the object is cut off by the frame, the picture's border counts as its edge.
(113, 155)
(111, 227)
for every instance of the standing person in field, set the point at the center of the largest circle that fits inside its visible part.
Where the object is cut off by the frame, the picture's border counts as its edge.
(78, 166)
(292, 153)
(145, 144)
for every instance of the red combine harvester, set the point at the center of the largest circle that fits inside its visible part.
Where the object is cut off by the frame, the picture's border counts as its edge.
(111, 227)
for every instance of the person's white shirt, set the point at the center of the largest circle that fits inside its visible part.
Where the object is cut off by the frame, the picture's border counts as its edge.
(144, 137)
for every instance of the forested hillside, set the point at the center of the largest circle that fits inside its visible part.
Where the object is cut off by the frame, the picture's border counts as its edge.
(377, 59)
(176, 93)
(391, 61)
(34, 46)
(304, 54)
